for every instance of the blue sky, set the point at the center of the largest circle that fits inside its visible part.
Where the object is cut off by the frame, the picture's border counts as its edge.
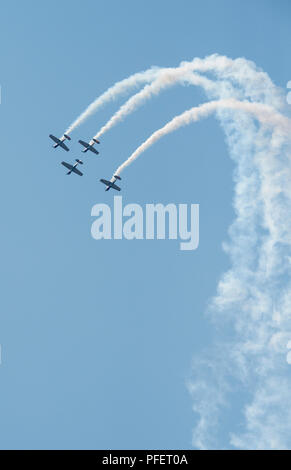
(98, 337)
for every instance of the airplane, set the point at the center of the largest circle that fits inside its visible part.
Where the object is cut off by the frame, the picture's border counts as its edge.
(72, 168)
(90, 146)
(60, 142)
(111, 184)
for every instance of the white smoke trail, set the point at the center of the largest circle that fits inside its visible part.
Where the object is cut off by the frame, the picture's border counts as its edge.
(264, 113)
(255, 83)
(119, 88)
(255, 297)
(165, 79)
(240, 69)
(255, 294)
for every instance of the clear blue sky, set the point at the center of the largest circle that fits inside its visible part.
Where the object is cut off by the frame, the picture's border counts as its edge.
(98, 337)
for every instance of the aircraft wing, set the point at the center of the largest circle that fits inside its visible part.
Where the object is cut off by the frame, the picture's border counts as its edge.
(59, 142)
(84, 143)
(75, 170)
(55, 139)
(88, 147)
(67, 165)
(114, 186)
(64, 146)
(106, 182)
(109, 184)
(93, 150)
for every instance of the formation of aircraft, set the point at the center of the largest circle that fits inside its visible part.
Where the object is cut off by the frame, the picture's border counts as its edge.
(74, 169)
(89, 146)
(111, 183)
(60, 142)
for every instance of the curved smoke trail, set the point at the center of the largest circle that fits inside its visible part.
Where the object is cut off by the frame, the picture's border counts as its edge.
(165, 79)
(264, 113)
(248, 372)
(119, 88)
(239, 69)
(254, 295)
(256, 84)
